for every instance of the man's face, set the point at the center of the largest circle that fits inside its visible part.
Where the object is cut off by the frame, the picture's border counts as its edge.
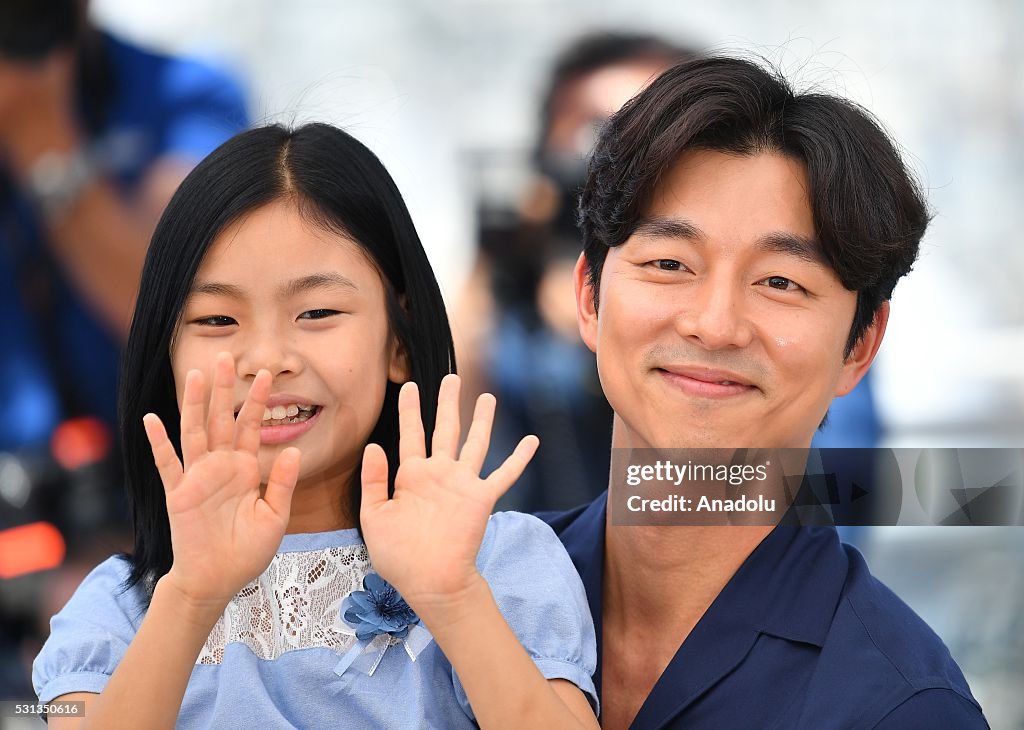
(719, 324)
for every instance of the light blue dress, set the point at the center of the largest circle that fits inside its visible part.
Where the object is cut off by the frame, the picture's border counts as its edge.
(270, 661)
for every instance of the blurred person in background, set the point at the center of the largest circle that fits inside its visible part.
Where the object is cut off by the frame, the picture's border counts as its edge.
(95, 135)
(519, 307)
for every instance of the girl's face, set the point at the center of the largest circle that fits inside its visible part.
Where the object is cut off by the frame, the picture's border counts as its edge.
(280, 294)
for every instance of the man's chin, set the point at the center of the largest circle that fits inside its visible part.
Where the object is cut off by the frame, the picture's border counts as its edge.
(667, 437)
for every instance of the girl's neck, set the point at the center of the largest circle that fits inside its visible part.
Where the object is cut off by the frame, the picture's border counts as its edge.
(321, 504)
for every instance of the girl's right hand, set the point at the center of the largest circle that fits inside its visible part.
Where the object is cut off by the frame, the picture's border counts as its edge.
(223, 532)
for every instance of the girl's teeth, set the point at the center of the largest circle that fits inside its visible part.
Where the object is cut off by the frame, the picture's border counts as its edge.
(294, 413)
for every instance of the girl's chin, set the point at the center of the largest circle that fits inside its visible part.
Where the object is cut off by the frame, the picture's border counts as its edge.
(310, 470)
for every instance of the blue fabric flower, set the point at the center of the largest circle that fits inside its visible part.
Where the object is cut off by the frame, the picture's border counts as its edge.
(378, 609)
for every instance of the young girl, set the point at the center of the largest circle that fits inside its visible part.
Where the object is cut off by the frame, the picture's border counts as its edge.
(284, 299)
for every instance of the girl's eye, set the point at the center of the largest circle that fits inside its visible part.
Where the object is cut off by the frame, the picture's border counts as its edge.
(782, 283)
(217, 320)
(318, 313)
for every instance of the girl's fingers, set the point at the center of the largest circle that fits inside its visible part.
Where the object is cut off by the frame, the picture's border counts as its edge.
(446, 424)
(505, 475)
(164, 456)
(281, 482)
(250, 418)
(474, 451)
(222, 403)
(193, 421)
(411, 442)
(374, 479)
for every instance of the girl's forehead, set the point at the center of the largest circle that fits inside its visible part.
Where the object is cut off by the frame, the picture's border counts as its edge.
(276, 242)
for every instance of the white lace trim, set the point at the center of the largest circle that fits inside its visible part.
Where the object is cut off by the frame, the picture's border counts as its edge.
(292, 605)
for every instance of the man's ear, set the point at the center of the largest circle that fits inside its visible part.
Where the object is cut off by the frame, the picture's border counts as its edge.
(586, 309)
(857, 364)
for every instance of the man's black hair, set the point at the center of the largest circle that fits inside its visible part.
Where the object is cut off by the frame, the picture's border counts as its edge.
(869, 212)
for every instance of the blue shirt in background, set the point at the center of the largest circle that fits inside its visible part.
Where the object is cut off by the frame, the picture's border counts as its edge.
(159, 107)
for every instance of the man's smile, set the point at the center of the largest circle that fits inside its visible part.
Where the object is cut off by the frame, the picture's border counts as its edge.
(706, 382)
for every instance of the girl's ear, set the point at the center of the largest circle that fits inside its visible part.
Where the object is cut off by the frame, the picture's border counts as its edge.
(399, 370)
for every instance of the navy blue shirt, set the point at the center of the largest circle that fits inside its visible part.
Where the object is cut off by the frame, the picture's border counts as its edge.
(802, 636)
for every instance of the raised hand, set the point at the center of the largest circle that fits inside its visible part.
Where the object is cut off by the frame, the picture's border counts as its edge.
(425, 539)
(223, 532)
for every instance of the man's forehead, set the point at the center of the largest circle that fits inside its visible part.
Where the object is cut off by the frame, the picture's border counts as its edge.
(710, 194)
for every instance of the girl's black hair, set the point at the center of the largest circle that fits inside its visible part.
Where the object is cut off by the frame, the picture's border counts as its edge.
(336, 183)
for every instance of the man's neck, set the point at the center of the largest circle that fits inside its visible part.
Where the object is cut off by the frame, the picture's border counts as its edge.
(669, 576)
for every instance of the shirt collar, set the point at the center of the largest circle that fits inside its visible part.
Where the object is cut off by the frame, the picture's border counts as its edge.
(788, 587)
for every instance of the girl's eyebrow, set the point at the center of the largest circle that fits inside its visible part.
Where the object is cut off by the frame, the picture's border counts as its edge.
(322, 280)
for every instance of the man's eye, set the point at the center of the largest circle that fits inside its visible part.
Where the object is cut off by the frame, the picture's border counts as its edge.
(667, 264)
(782, 283)
(217, 320)
(318, 313)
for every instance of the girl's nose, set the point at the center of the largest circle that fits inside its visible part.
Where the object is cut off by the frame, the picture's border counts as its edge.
(266, 352)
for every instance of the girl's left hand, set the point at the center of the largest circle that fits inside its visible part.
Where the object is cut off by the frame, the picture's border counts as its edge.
(425, 539)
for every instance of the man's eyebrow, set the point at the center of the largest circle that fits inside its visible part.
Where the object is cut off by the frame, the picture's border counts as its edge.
(661, 227)
(788, 244)
(322, 280)
(791, 244)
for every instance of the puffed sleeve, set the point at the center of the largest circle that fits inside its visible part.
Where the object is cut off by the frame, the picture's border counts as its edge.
(89, 635)
(541, 597)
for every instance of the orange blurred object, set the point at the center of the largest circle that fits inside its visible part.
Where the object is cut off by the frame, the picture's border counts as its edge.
(30, 548)
(80, 441)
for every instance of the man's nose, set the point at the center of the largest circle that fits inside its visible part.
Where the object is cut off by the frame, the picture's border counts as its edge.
(716, 314)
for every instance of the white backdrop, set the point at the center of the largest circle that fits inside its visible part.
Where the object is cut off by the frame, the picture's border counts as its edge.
(426, 84)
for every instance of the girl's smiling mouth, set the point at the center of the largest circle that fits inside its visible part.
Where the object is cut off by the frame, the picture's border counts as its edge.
(288, 427)
(291, 413)
(286, 417)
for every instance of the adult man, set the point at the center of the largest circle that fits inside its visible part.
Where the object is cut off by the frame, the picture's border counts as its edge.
(741, 245)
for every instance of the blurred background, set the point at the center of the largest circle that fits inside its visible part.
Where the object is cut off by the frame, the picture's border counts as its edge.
(483, 111)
